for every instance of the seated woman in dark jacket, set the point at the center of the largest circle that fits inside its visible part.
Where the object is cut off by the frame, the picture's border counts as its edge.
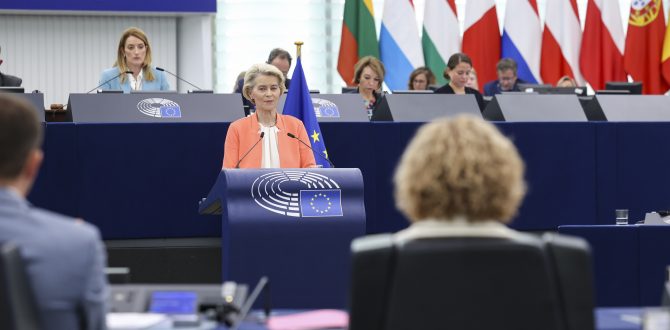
(458, 71)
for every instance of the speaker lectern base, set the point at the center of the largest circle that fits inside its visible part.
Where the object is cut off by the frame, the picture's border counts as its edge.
(292, 225)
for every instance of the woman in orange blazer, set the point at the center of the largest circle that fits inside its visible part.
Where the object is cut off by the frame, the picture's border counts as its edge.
(263, 85)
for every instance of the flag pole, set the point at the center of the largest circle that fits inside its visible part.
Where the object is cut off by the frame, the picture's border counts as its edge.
(298, 45)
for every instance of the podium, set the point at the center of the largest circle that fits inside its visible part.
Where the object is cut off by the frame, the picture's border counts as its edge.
(294, 226)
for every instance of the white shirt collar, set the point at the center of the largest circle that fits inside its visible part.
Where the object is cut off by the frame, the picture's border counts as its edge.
(456, 227)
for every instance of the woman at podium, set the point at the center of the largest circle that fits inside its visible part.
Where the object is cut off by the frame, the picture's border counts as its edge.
(458, 72)
(266, 139)
(132, 69)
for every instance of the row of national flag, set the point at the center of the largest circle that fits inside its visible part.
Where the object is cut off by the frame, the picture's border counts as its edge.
(596, 55)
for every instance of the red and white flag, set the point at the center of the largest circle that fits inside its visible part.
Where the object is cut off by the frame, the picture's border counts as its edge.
(481, 40)
(601, 57)
(561, 40)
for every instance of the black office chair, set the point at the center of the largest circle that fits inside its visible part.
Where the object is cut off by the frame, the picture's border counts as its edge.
(18, 309)
(471, 283)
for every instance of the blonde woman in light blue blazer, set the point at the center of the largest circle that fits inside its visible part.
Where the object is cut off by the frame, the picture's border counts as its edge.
(133, 55)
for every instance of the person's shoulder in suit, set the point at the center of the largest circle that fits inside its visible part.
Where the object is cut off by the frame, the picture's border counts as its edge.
(108, 74)
(491, 88)
(64, 250)
(446, 89)
(290, 121)
(7, 80)
(160, 79)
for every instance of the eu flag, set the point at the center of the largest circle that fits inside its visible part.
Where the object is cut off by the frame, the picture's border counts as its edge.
(299, 104)
(321, 203)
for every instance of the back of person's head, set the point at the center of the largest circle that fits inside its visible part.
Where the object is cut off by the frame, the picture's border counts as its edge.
(374, 64)
(279, 53)
(430, 77)
(456, 59)
(20, 134)
(566, 81)
(460, 167)
(120, 53)
(257, 70)
(507, 64)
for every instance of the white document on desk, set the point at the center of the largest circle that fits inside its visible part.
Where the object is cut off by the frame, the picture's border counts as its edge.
(128, 321)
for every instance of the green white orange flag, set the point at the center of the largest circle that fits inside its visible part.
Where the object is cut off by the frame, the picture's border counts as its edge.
(359, 37)
(441, 35)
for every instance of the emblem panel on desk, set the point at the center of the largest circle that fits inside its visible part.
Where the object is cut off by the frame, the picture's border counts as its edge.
(155, 107)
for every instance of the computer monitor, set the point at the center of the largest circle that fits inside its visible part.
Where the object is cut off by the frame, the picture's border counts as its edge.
(530, 88)
(612, 92)
(634, 87)
(346, 90)
(12, 89)
(153, 92)
(412, 91)
(579, 91)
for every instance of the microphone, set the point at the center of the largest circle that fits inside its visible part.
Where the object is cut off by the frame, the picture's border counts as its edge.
(248, 151)
(178, 77)
(106, 81)
(310, 148)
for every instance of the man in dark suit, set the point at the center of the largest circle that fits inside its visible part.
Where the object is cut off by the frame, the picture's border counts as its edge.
(64, 257)
(507, 79)
(278, 57)
(7, 80)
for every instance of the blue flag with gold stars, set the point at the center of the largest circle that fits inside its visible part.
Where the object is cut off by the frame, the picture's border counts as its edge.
(299, 104)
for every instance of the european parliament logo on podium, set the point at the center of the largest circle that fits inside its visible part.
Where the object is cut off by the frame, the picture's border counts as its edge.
(159, 108)
(298, 194)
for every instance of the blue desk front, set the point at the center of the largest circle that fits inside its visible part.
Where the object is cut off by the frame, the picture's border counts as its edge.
(145, 180)
(629, 262)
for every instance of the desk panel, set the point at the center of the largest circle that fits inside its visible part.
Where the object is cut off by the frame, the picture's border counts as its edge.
(654, 259)
(616, 271)
(130, 178)
(560, 173)
(642, 168)
(145, 180)
(55, 188)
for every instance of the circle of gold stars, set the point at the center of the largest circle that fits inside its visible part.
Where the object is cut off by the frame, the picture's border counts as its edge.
(316, 196)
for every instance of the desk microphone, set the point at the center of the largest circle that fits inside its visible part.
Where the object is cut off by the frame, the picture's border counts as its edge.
(248, 151)
(176, 76)
(310, 148)
(115, 77)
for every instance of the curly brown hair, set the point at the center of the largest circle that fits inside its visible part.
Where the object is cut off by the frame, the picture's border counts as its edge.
(460, 167)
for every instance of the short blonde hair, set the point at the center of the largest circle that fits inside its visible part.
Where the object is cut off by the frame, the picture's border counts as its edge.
(460, 167)
(374, 64)
(261, 69)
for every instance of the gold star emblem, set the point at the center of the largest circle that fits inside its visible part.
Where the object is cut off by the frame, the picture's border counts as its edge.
(315, 136)
(325, 152)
